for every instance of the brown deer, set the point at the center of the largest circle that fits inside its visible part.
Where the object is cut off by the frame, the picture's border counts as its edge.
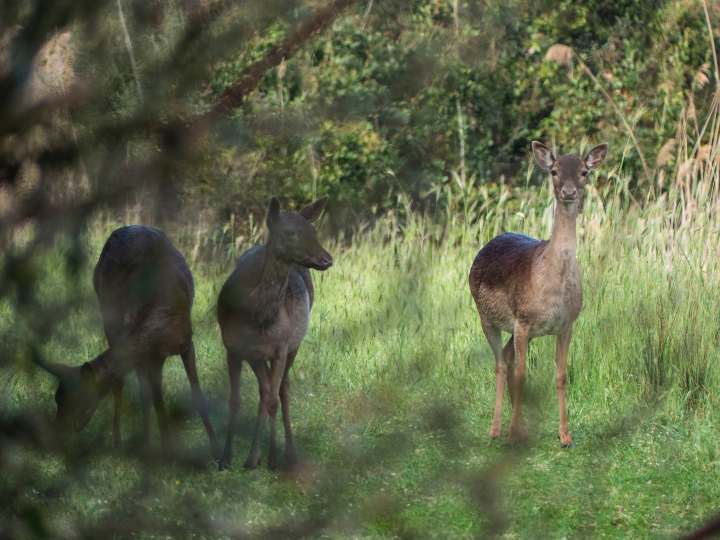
(264, 311)
(146, 292)
(532, 288)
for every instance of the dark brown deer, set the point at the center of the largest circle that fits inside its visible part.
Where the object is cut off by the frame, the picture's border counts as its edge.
(532, 288)
(146, 292)
(264, 312)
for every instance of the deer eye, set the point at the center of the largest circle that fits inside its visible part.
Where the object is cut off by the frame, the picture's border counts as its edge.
(554, 172)
(583, 174)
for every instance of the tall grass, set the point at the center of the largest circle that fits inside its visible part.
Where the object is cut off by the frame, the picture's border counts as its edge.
(396, 306)
(395, 366)
(395, 341)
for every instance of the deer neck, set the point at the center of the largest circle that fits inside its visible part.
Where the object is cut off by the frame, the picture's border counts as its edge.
(563, 241)
(269, 294)
(105, 371)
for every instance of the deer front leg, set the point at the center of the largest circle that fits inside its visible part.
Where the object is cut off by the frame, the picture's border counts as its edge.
(277, 375)
(291, 458)
(518, 432)
(561, 350)
(234, 364)
(117, 390)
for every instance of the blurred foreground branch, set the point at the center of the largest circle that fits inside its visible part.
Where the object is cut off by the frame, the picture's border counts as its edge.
(234, 95)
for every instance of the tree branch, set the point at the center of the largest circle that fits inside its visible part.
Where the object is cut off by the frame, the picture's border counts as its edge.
(234, 95)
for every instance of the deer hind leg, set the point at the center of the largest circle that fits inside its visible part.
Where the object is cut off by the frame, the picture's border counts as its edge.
(117, 391)
(518, 433)
(145, 392)
(291, 458)
(277, 375)
(263, 378)
(155, 378)
(234, 364)
(199, 401)
(509, 357)
(561, 350)
(494, 337)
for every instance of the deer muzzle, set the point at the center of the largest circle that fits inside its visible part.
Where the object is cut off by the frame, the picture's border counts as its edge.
(568, 194)
(321, 262)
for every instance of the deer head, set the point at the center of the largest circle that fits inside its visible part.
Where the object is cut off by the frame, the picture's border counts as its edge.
(77, 395)
(569, 172)
(293, 238)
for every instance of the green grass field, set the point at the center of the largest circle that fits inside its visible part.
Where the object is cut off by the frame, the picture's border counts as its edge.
(393, 390)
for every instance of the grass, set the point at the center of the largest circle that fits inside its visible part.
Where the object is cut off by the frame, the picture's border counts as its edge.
(393, 391)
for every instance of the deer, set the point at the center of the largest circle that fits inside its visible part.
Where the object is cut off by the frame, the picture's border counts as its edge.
(532, 288)
(145, 291)
(264, 312)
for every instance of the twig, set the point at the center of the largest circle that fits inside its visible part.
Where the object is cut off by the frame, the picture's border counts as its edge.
(131, 54)
(617, 110)
(461, 133)
(712, 43)
(456, 16)
(234, 95)
(458, 105)
(366, 15)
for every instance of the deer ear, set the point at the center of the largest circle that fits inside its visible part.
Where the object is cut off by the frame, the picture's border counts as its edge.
(596, 156)
(312, 211)
(273, 211)
(543, 156)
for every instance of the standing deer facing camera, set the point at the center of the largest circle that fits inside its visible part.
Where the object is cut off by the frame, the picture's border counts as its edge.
(532, 288)
(264, 312)
(146, 291)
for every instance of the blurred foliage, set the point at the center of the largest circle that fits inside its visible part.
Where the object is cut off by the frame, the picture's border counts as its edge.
(377, 106)
(370, 110)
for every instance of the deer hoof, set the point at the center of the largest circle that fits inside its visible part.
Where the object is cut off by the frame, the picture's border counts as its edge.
(223, 464)
(494, 432)
(566, 441)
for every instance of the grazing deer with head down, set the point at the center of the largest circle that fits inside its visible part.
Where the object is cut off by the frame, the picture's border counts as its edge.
(146, 291)
(264, 311)
(532, 288)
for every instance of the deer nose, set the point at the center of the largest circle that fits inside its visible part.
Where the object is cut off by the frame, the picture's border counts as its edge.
(568, 193)
(326, 260)
(323, 261)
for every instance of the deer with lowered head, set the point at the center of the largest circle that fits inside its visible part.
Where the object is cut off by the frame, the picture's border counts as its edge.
(532, 288)
(264, 312)
(146, 292)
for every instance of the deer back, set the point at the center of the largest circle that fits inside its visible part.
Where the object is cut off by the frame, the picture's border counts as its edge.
(145, 289)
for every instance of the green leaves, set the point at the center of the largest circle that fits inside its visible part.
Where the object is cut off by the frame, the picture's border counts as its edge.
(370, 108)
